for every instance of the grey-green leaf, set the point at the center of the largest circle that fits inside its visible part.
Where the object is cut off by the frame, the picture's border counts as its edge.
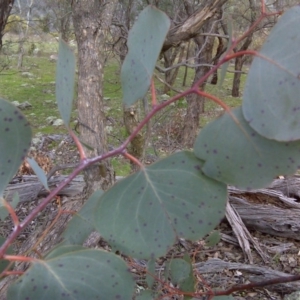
(237, 155)
(213, 238)
(15, 139)
(39, 172)
(82, 223)
(65, 81)
(145, 41)
(271, 96)
(61, 249)
(180, 272)
(144, 214)
(79, 274)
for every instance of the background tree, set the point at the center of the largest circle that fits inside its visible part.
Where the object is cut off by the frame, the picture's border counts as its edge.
(91, 19)
(58, 13)
(195, 103)
(5, 9)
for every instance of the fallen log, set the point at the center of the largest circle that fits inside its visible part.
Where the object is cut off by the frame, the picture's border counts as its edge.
(29, 187)
(273, 210)
(253, 273)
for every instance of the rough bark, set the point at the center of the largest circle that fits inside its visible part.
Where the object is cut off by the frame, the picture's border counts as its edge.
(5, 9)
(195, 103)
(91, 19)
(192, 25)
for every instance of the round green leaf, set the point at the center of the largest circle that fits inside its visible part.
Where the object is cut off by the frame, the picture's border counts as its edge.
(237, 155)
(78, 274)
(271, 102)
(15, 139)
(144, 214)
(145, 41)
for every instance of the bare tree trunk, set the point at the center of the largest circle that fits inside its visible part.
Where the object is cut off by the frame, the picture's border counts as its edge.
(169, 60)
(238, 65)
(220, 51)
(186, 59)
(235, 92)
(5, 8)
(23, 32)
(196, 103)
(91, 19)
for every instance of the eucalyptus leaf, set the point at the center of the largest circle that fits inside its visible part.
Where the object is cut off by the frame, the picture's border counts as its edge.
(237, 155)
(39, 172)
(144, 214)
(271, 102)
(76, 274)
(15, 139)
(145, 41)
(65, 81)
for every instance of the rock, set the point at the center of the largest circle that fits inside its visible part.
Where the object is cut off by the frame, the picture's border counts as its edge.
(293, 296)
(27, 74)
(50, 120)
(36, 51)
(53, 57)
(36, 141)
(16, 103)
(106, 98)
(164, 97)
(25, 105)
(58, 122)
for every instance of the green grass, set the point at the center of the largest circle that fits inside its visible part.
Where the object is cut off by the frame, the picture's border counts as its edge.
(39, 90)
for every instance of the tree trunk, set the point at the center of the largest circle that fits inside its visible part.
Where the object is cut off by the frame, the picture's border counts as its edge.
(238, 65)
(5, 8)
(91, 19)
(220, 51)
(235, 92)
(195, 103)
(169, 60)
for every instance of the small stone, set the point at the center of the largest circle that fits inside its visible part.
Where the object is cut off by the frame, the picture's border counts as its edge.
(27, 74)
(58, 122)
(164, 97)
(53, 57)
(25, 105)
(50, 120)
(16, 103)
